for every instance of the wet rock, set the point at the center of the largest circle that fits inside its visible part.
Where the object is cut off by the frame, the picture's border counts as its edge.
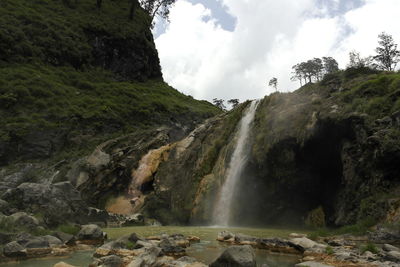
(13, 249)
(108, 261)
(304, 242)
(134, 220)
(241, 238)
(393, 256)
(5, 238)
(147, 258)
(4, 207)
(225, 235)
(52, 240)
(236, 256)
(91, 232)
(23, 238)
(65, 238)
(37, 243)
(296, 235)
(98, 216)
(22, 219)
(312, 264)
(384, 235)
(170, 247)
(388, 247)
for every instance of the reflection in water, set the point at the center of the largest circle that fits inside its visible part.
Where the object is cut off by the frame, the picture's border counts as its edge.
(206, 251)
(209, 248)
(79, 258)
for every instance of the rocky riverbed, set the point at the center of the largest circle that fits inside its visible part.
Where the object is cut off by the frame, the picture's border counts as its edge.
(151, 246)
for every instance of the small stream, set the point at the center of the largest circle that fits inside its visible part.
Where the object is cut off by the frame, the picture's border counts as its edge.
(205, 251)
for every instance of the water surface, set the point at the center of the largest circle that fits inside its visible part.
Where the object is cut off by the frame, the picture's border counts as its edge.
(209, 248)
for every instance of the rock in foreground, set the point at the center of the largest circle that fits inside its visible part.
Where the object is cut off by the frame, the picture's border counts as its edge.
(236, 256)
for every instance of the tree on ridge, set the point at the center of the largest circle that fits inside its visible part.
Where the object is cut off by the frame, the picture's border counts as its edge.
(387, 54)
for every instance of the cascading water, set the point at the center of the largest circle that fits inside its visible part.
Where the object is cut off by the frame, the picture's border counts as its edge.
(224, 205)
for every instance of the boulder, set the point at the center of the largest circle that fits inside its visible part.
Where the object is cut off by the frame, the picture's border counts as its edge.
(14, 250)
(4, 207)
(304, 242)
(108, 261)
(312, 264)
(384, 235)
(225, 235)
(65, 238)
(133, 220)
(236, 256)
(170, 247)
(393, 256)
(52, 240)
(147, 258)
(388, 247)
(5, 238)
(22, 219)
(91, 232)
(37, 243)
(59, 203)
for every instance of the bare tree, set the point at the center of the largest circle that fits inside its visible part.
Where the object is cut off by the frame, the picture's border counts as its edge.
(387, 54)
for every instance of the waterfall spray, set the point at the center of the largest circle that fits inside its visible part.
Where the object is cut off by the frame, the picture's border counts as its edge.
(224, 205)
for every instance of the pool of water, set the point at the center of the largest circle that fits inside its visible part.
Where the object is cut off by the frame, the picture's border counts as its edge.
(79, 258)
(207, 250)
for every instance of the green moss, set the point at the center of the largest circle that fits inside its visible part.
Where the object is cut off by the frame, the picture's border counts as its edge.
(316, 218)
(90, 105)
(69, 229)
(329, 250)
(369, 247)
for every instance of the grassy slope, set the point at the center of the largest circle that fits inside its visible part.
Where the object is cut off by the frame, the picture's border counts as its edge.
(48, 79)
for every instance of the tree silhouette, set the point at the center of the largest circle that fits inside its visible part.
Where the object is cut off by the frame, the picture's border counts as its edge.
(387, 54)
(273, 83)
(233, 102)
(219, 103)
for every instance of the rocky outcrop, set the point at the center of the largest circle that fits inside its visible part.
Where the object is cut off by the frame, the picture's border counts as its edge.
(58, 203)
(135, 251)
(91, 234)
(236, 256)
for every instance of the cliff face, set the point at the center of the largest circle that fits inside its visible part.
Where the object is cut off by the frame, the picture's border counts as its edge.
(82, 100)
(332, 146)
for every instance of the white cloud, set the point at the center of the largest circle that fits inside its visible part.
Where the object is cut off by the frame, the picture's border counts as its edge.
(200, 58)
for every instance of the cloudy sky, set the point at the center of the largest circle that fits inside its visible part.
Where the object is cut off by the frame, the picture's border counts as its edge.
(231, 48)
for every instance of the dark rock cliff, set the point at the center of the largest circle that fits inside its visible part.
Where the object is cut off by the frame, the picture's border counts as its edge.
(327, 146)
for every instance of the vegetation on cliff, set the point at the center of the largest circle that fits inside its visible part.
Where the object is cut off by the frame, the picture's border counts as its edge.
(73, 75)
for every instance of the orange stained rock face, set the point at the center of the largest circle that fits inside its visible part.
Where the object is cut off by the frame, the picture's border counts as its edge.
(148, 165)
(120, 205)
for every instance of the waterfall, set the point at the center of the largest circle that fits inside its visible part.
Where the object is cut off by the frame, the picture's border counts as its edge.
(238, 160)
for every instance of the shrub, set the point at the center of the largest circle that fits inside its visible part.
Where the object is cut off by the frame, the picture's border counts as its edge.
(370, 247)
(329, 250)
(68, 228)
(316, 218)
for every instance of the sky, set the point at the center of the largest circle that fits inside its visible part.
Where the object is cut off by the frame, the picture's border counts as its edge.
(231, 48)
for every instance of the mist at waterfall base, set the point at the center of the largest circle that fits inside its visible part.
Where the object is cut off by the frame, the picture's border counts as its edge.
(228, 204)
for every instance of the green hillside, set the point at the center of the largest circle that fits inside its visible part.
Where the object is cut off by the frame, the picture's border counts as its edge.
(73, 72)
